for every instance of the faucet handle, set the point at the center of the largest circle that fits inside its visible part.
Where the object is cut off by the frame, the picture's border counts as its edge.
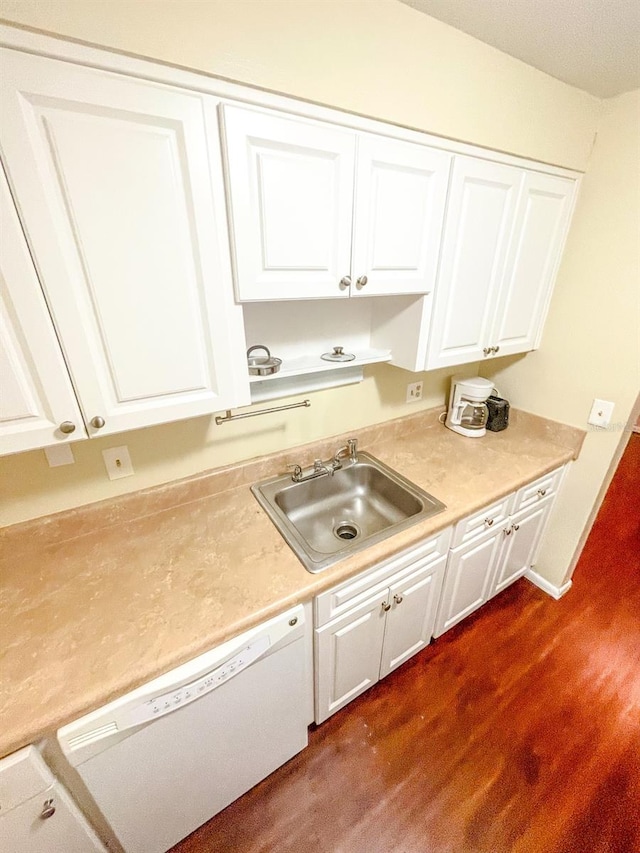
(353, 448)
(297, 471)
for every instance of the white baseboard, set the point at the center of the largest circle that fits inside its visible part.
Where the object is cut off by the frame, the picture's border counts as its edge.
(554, 591)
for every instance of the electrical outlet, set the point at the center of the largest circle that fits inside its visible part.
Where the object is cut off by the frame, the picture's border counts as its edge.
(414, 392)
(600, 414)
(117, 462)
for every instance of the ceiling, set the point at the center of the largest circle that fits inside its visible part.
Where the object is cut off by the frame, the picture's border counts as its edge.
(591, 44)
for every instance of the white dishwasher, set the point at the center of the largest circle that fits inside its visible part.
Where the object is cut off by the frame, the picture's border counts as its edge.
(163, 759)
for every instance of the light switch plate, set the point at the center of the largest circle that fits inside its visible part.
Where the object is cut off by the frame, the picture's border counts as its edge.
(600, 414)
(59, 454)
(117, 462)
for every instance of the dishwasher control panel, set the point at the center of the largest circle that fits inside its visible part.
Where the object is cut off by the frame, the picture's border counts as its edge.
(162, 704)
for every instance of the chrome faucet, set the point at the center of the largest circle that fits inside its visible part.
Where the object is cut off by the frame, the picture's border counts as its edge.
(350, 449)
(321, 469)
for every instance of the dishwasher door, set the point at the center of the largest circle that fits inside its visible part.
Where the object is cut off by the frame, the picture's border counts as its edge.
(167, 757)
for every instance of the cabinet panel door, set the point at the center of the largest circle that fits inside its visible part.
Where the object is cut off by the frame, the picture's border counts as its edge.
(36, 394)
(348, 655)
(22, 830)
(114, 187)
(291, 190)
(479, 221)
(539, 235)
(468, 580)
(520, 550)
(401, 190)
(412, 617)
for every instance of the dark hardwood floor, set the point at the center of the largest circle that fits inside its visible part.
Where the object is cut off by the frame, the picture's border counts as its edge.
(518, 730)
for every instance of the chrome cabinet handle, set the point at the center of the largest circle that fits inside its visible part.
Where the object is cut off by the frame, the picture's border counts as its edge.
(386, 606)
(507, 531)
(542, 492)
(487, 350)
(398, 599)
(362, 281)
(48, 810)
(496, 349)
(67, 427)
(97, 422)
(488, 522)
(516, 526)
(345, 282)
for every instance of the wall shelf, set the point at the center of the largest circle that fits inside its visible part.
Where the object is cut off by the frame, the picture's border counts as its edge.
(302, 365)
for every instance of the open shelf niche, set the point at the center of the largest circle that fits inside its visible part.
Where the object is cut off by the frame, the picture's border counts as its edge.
(299, 332)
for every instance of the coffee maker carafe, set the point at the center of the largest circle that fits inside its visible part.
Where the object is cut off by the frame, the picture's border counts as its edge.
(467, 405)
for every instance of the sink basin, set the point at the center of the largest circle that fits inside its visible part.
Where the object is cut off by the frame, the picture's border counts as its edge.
(334, 515)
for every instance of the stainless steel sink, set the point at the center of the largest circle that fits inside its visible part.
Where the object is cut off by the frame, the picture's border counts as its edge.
(330, 515)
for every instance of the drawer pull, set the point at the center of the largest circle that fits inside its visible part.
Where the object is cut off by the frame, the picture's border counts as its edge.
(488, 522)
(516, 527)
(542, 492)
(507, 531)
(398, 599)
(386, 606)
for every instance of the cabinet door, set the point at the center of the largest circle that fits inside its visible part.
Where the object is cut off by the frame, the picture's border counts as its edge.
(36, 394)
(544, 211)
(468, 580)
(36, 813)
(25, 830)
(291, 197)
(347, 653)
(113, 183)
(479, 221)
(521, 546)
(401, 191)
(412, 617)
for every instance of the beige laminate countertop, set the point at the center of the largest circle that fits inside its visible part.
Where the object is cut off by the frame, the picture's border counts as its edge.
(96, 601)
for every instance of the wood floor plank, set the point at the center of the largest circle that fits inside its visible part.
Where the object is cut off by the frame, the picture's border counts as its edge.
(518, 731)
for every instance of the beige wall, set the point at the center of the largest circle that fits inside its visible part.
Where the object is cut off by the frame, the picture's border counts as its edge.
(383, 59)
(376, 57)
(591, 343)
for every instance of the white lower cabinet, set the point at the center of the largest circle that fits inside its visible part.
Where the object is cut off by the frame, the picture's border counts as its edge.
(380, 619)
(36, 813)
(493, 548)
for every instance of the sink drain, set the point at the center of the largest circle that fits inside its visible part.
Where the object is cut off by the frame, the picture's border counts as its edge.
(346, 530)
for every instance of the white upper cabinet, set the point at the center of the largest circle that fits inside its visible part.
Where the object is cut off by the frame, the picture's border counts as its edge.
(291, 195)
(482, 204)
(318, 211)
(401, 190)
(125, 218)
(504, 234)
(541, 225)
(36, 397)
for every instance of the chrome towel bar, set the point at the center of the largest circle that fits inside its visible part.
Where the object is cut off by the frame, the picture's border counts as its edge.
(223, 419)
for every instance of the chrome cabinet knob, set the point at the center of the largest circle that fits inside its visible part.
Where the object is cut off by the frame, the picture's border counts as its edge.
(495, 350)
(542, 492)
(487, 350)
(97, 422)
(48, 810)
(67, 427)
(516, 527)
(386, 606)
(488, 522)
(345, 282)
(398, 599)
(507, 531)
(362, 281)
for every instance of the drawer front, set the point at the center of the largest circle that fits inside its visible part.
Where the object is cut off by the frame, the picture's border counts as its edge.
(488, 518)
(542, 488)
(334, 602)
